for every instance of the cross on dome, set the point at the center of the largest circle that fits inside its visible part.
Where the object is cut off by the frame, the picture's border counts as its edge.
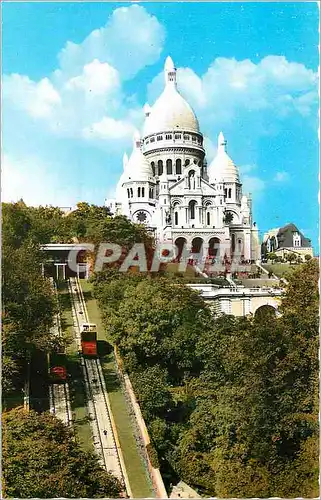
(170, 72)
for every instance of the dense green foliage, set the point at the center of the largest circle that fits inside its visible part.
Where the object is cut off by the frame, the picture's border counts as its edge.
(27, 301)
(42, 459)
(231, 403)
(28, 304)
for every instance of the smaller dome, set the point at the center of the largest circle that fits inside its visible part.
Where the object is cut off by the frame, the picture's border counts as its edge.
(222, 168)
(138, 167)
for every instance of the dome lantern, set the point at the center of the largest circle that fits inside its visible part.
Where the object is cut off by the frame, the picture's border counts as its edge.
(170, 72)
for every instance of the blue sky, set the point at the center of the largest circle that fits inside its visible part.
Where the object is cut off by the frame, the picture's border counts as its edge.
(76, 76)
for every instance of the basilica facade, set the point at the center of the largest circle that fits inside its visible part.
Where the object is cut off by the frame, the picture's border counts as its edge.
(167, 185)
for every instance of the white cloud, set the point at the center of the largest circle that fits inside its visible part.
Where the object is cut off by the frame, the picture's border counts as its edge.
(230, 89)
(130, 40)
(253, 185)
(85, 92)
(281, 176)
(85, 101)
(33, 181)
(108, 128)
(97, 78)
(38, 99)
(245, 169)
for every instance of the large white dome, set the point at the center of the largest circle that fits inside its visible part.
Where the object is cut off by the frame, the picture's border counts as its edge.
(170, 111)
(222, 168)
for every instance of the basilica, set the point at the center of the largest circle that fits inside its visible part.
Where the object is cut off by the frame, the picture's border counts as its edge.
(167, 185)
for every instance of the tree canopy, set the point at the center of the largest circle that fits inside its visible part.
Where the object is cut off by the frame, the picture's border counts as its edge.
(42, 459)
(231, 403)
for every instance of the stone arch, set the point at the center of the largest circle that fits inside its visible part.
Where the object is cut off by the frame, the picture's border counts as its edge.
(180, 243)
(192, 179)
(264, 312)
(233, 243)
(175, 206)
(214, 247)
(197, 245)
(178, 166)
(176, 202)
(191, 210)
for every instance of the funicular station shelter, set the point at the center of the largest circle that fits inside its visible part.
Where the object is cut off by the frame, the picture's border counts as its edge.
(59, 263)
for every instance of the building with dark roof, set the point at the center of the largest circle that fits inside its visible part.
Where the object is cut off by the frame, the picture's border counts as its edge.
(286, 239)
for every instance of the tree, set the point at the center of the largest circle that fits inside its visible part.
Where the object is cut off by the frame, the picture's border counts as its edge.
(42, 459)
(158, 319)
(291, 257)
(231, 403)
(272, 256)
(27, 300)
(152, 391)
(86, 218)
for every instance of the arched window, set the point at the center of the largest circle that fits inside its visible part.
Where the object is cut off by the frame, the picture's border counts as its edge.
(131, 192)
(178, 166)
(143, 192)
(176, 218)
(138, 192)
(153, 167)
(191, 207)
(191, 179)
(233, 242)
(230, 193)
(160, 167)
(169, 168)
(208, 218)
(128, 193)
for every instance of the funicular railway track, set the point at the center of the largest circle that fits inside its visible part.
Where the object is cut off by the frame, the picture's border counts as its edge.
(59, 392)
(59, 402)
(103, 429)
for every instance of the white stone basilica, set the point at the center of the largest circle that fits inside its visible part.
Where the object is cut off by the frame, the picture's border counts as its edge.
(167, 186)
